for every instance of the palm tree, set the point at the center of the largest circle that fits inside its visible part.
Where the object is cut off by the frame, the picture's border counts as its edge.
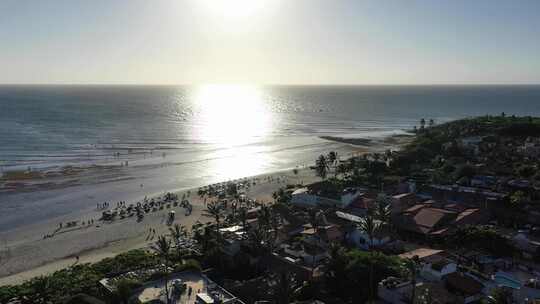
(162, 247)
(370, 226)
(242, 216)
(422, 124)
(177, 232)
(321, 167)
(332, 160)
(284, 289)
(332, 157)
(341, 169)
(412, 266)
(264, 216)
(313, 220)
(383, 210)
(214, 210)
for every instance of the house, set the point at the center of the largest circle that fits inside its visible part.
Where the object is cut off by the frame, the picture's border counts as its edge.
(465, 195)
(483, 181)
(324, 193)
(361, 205)
(423, 254)
(529, 149)
(394, 290)
(330, 233)
(402, 201)
(154, 291)
(232, 239)
(435, 270)
(304, 197)
(471, 144)
(429, 220)
(528, 245)
(303, 253)
(349, 195)
(398, 291)
(361, 239)
(280, 262)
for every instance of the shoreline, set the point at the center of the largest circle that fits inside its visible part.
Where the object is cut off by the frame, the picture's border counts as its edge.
(34, 256)
(29, 255)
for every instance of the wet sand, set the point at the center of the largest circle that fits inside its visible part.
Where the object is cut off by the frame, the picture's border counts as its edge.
(26, 254)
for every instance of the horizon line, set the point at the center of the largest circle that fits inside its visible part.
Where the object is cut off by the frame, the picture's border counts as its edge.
(271, 84)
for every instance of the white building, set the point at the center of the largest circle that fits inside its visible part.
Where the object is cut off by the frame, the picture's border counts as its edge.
(304, 197)
(435, 271)
(361, 240)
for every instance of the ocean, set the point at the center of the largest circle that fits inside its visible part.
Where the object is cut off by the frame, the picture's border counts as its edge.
(48, 126)
(174, 137)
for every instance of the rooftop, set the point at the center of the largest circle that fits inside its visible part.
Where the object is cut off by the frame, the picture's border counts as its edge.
(198, 283)
(422, 253)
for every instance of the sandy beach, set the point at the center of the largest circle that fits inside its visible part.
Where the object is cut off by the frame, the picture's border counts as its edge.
(25, 253)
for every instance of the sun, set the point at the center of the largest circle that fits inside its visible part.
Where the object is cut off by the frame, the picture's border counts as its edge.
(234, 8)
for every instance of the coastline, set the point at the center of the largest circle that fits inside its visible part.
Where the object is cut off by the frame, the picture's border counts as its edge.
(30, 255)
(24, 253)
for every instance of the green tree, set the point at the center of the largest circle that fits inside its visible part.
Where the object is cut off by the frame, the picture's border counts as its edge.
(500, 296)
(214, 210)
(348, 271)
(313, 220)
(321, 167)
(178, 232)
(412, 266)
(370, 226)
(383, 211)
(284, 289)
(332, 159)
(41, 289)
(124, 289)
(162, 248)
(242, 217)
(341, 169)
(526, 171)
(517, 198)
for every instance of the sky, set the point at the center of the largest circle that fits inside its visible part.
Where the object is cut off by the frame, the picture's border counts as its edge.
(270, 41)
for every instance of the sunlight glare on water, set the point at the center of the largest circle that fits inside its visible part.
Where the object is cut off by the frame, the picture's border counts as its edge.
(232, 117)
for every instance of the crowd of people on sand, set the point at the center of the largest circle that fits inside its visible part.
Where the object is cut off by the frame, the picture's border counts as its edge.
(167, 201)
(99, 206)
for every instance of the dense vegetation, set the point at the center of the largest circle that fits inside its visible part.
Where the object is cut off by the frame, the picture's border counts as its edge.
(64, 284)
(348, 274)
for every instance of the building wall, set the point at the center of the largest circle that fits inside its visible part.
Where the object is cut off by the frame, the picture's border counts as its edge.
(430, 274)
(305, 199)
